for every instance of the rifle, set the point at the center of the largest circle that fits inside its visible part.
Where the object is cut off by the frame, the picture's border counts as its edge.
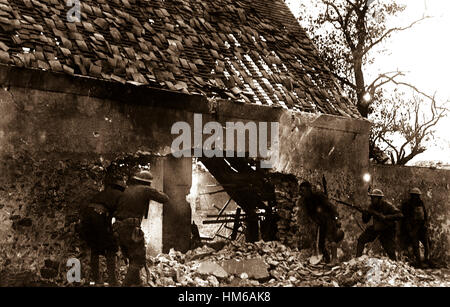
(324, 185)
(358, 208)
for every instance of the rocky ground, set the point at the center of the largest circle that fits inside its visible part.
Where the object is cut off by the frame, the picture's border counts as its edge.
(271, 264)
(261, 264)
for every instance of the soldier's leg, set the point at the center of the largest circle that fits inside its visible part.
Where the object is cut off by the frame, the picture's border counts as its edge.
(334, 257)
(415, 242)
(111, 267)
(369, 235)
(387, 240)
(132, 277)
(423, 237)
(137, 258)
(323, 232)
(405, 240)
(95, 274)
(416, 251)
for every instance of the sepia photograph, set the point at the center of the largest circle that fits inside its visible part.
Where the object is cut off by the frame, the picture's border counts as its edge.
(224, 148)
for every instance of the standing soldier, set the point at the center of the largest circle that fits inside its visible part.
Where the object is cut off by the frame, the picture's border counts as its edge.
(414, 224)
(96, 228)
(132, 207)
(384, 216)
(324, 214)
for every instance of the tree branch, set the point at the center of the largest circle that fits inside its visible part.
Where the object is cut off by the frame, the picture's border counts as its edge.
(390, 31)
(372, 87)
(344, 80)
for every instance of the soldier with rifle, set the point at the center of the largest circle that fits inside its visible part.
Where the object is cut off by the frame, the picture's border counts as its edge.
(324, 214)
(414, 224)
(384, 216)
(132, 207)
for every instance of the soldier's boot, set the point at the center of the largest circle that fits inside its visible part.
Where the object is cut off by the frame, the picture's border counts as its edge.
(111, 268)
(95, 274)
(132, 278)
(416, 251)
(388, 244)
(426, 247)
(360, 248)
(334, 258)
(391, 254)
(326, 256)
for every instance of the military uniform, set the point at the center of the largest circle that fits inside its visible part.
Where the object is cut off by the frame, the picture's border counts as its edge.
(96, 230)
(132, 206)
(324, 214)
(414, 225)
(382, 228)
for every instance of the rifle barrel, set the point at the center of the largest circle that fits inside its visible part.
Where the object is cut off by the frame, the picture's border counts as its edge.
(348, 204)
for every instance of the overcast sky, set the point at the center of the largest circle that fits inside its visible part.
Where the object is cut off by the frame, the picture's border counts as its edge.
(423, 51)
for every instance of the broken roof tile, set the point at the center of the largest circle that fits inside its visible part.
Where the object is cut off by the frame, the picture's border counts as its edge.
(179, 44)
(4, 57)
(55, 65)
(102, 23)
(115, 34)
(3, 46)
(88, 27)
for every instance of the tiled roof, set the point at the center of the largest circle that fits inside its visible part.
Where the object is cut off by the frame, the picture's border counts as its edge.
(252, 51)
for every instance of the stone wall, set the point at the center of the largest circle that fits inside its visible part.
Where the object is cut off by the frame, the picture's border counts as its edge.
(59, 137)
(60, 134)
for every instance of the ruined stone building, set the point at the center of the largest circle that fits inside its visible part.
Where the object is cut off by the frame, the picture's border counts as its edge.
(80, 99)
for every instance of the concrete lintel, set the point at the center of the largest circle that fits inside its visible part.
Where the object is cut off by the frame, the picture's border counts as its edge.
(128, 93)
(226, 109)
(87, 86)
(334, 122)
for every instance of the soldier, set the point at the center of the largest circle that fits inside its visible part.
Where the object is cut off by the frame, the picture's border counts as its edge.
(384, 216)
(132, 207)
(414, 224)
(324, 214)
(96, 228)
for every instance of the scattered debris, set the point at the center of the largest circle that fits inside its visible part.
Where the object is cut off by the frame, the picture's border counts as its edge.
(212, 268)
(272, 264)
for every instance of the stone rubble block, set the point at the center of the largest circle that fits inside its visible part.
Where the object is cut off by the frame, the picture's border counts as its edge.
(254, 268)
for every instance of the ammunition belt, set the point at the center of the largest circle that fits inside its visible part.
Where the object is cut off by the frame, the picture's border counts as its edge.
(131, 220)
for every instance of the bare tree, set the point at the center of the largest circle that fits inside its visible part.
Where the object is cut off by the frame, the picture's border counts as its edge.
(403, 127)
(346, 31)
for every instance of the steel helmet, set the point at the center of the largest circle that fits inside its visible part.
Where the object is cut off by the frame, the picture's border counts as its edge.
(376, 193)
(144, 176)
(415, 191)
(120, 183)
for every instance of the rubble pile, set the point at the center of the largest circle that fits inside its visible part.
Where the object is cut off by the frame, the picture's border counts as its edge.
(272, 264)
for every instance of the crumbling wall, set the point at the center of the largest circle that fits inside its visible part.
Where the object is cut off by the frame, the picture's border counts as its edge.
(295, 228)
(332, 147)
(55, 149)
(40, 200)
(395, 181)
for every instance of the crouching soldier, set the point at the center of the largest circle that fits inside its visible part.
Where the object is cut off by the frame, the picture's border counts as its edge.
(414, 224)
(384, 215)
(96, 228)
(132, 207)
(325, 215)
